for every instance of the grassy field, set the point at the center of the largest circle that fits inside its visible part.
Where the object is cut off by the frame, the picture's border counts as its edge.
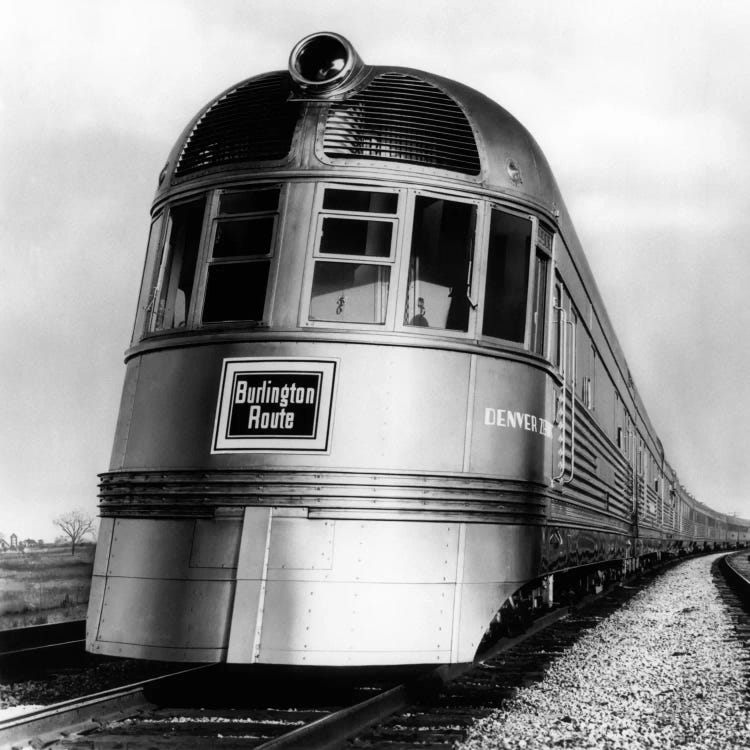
(44, 586)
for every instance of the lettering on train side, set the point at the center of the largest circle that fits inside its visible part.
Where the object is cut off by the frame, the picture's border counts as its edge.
(278, 405)
(275, 406)
(517, 420)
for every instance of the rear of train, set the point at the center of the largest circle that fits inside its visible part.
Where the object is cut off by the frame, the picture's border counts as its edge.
(337, 428)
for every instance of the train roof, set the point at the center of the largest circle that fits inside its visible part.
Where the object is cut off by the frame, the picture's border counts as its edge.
(425, 124)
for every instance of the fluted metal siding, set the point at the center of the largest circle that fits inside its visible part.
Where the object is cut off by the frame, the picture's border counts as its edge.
(401, 118)
(253, 122)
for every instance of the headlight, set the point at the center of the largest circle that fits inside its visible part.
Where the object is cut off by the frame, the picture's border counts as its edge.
(323, 62)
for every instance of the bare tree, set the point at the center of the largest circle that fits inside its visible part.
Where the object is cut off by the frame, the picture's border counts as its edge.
(75, 524)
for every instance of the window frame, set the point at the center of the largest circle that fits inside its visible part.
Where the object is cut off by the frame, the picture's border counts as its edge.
(538, 248)
(480, 205)
(491, 206)
(157, 277)
(315, 256)
(147, 289)
(206, 260)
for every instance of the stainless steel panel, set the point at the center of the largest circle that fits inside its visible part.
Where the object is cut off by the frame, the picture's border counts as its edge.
(243, 633)
(148, 548)
(103, 542)
(512, 426)
(166, 613)
(401, 409)
(160, 653)
(216, 543)
(300, 543)
(497, 553)
(125, 415)
(395, 552)
(371, 551)
(396, 408)
(479, 602)
(355, 622)
(353, 658)
(98, 579)
(247, 607)
(96, 600)
(254, 544)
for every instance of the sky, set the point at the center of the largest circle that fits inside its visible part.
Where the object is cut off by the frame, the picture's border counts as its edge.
(642, 109)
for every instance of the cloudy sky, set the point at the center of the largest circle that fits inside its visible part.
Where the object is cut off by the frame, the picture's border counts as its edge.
(642, 109)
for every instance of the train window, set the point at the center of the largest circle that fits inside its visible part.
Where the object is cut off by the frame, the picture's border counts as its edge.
(362, 201)
(356, 237)
(146, 298)
(350, 292)
(236, 292)
(251, 236)
(170, 301)
(442, 249)
(540, 302)
(507, 277)
(249, 201)
(243, 239)
(353, 256)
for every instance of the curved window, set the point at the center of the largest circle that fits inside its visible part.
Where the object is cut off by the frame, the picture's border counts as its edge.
(244, 234)
(170, 300)
(146, 297)
(355, 248)
(442, 248)
(506, 291)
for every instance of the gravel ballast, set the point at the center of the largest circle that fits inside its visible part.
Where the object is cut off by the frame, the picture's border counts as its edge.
(665, 671)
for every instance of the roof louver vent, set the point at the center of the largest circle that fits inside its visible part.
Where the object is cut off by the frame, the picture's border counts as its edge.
(253, 122)
(402, 118)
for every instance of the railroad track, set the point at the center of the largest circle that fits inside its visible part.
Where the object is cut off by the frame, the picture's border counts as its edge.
(445, 719)
(736, 569)
(732, 579)
(26, 646)
(135, 717)
(434, 709)
(47, 726)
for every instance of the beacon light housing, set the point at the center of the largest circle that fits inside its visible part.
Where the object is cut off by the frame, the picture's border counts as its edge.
(324, 63)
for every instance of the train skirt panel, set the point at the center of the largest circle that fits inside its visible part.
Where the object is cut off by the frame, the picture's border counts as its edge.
(277, 587)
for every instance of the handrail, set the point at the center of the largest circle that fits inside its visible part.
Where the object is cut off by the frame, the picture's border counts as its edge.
(567, 351)
(564, 394)
(572, 325)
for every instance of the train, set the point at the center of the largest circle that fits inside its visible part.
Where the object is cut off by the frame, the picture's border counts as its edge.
(373, 403)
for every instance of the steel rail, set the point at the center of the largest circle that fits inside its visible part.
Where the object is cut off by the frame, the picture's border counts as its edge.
(19, 640)
(78, 714)
(36, 649)
(737, 574)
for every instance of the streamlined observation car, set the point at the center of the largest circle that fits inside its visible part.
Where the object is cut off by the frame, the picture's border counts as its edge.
(372, 391)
